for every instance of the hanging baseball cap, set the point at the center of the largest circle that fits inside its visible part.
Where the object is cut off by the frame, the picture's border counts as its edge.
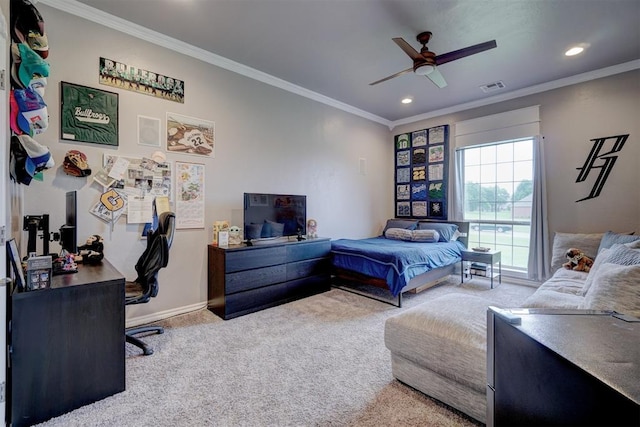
(31, 65)
(37, 153)
(32, 116)
(25, 19)
(28, 157)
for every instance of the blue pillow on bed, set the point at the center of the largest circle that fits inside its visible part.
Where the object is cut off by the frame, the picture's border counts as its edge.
(446, 230)
(407, 224)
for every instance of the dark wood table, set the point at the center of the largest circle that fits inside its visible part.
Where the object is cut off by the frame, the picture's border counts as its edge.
(66, 344)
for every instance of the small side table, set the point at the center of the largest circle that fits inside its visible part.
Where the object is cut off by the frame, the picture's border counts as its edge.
(489, 258)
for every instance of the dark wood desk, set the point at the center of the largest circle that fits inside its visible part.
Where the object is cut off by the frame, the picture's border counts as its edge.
(66, 344)
(563, 367)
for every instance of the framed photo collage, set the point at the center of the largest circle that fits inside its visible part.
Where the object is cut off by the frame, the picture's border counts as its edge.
(421, 173)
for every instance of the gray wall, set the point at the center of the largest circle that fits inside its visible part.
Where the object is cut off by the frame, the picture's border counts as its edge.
(269, 140)
(570, 117)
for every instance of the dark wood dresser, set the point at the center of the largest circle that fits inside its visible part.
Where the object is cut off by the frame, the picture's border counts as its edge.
(244, 279)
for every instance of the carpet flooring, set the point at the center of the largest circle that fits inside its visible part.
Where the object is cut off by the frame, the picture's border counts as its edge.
(319, 361)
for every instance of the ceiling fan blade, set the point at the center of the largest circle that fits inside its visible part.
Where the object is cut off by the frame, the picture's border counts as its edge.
(408, 70)
(467, 51)
(408, 49)
(437, 78)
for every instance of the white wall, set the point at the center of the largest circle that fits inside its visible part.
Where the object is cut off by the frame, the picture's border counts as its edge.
(267, 140)
(570, 117)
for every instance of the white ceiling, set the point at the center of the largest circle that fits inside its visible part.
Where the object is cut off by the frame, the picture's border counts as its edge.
(335, 48)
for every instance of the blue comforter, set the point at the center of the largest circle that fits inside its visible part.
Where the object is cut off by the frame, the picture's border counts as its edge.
(395, 261)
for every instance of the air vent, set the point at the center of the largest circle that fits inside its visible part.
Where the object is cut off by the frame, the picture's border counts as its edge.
(492, 87)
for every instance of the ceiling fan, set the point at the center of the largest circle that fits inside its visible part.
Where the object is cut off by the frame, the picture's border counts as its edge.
(425, 62)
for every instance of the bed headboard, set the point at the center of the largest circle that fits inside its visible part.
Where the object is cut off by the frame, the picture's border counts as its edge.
(463, 227)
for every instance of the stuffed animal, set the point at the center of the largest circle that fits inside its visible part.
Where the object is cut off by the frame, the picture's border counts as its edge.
(578, 261)
(92, 252)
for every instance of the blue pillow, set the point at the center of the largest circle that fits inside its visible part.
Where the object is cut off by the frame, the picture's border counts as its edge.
(407, 224)
(610, 238)
(254, 231)
(445, 230)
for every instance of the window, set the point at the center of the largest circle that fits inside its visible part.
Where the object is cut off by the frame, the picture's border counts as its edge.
(497, 198)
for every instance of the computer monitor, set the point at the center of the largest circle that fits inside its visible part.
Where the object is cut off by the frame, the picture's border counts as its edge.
(68, 238)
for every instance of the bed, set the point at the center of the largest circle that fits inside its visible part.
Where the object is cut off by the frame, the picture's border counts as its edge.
(395, 262)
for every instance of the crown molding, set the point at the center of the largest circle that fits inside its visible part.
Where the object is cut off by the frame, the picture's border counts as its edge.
(82, 10)
(567, 81)
(91, 14)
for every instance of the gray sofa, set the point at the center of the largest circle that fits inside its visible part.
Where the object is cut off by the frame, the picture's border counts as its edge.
(439, 346)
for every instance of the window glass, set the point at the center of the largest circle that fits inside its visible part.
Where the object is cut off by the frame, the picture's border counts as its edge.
(498, 189)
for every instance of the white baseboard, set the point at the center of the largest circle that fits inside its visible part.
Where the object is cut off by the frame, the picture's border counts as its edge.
(154, 317)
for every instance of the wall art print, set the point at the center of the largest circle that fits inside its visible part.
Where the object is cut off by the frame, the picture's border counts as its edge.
(134, 79)
(421, 173)
(88, 114)
(189, 195)
(189, 135)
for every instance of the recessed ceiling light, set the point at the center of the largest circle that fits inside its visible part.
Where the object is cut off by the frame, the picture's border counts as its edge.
(577, 49)
(407, 100)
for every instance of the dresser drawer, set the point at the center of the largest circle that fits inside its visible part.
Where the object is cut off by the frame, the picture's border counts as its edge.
(254, 258)
(307, 268)
(255, 278)
(308, 249)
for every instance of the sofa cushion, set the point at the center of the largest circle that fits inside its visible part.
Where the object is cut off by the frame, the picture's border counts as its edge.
(588, 243)
(446, 334)
(562, 290)
(616, 287)
(610, 238)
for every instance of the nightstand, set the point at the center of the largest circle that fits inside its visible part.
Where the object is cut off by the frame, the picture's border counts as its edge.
(490, 258)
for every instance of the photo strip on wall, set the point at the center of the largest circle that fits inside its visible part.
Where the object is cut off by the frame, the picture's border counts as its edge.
(421, 173)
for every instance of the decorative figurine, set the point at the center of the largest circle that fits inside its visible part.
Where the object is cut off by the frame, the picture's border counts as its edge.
(312, 228)
(235, 235)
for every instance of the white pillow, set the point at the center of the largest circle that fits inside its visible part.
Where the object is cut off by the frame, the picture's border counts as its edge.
(587, 243)
(617, 287)
(398, 234)
(426, 236)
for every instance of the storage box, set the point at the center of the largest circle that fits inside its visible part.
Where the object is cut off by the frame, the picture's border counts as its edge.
(38, 272)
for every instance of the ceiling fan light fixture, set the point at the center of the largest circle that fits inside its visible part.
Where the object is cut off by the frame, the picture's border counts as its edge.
(424, 70)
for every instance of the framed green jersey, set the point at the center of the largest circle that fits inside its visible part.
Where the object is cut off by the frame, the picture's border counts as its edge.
(88, 114)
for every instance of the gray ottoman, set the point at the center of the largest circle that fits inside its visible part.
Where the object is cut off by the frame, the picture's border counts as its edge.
(440, 348)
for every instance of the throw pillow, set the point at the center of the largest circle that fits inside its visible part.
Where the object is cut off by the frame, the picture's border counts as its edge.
(398, 234)
(588, 243)
(446, 230)
(409, 224)
(618, 289)
(618, 254)
(426, 236)
(610, 238)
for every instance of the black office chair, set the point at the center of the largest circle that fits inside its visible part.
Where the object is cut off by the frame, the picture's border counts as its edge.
(145, 287)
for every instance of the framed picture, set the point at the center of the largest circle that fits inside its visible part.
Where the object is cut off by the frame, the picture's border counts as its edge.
(16, 264)
(189, 135)
(148, 131)
(88, 114)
